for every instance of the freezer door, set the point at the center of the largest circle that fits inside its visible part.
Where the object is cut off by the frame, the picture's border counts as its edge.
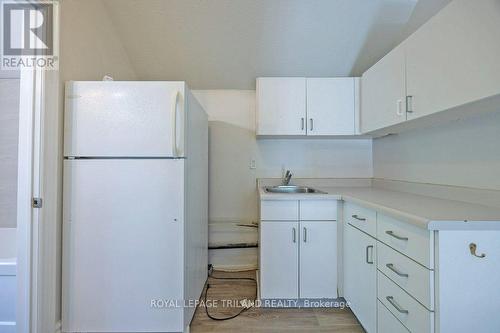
(123, 253)
(118, 119)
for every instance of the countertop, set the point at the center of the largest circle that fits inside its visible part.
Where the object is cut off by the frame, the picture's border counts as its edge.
(423, 211)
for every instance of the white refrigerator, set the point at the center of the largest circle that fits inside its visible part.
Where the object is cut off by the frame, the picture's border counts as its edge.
(135, 206)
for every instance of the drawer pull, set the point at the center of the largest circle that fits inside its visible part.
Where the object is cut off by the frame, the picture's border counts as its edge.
(391, 233)
(358, 218)
(391, 300)
(391, 267)
(368, 261)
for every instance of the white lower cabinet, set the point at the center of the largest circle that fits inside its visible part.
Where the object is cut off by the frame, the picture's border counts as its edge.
(360, 276)
(422, 281)
(298, 259)
(397, 277)
(281, 265)
(279, 260)
(318, 259)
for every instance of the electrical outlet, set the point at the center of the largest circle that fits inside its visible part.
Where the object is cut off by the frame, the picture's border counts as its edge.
(253, 165)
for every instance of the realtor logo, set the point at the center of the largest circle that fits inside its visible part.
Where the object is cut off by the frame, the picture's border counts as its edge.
(28, 35)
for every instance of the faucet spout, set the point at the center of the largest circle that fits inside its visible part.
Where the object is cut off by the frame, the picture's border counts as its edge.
(286, 178)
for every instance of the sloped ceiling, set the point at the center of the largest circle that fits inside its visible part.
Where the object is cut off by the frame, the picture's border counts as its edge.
(226, 44)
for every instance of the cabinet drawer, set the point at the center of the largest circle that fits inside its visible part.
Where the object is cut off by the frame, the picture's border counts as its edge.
(412, 241)
(412, 314)
(318, 210)
(386, 322)
(414, 278)
(360, 217)
(286, 210)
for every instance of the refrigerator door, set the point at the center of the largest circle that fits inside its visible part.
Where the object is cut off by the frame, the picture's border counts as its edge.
(123, 227)
(124, 119)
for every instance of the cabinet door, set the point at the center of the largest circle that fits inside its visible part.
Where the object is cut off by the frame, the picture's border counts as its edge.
(281, 106)
(467, 285)
(330, 106)
(318, 259)
(383, 92)
(279, 260)
(453, 58)
(360, 276)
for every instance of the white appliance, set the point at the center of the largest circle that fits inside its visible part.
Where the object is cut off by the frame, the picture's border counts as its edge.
(135, 206)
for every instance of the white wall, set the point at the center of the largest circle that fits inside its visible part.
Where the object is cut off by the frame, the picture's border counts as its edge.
(90, 45)
(233, 145)
(462, 153)
(9, 129)
(225, 44)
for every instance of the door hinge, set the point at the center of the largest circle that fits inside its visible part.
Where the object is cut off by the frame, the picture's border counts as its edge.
(36, 203)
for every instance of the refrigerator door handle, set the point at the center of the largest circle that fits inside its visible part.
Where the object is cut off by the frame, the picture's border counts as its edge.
(174, 124)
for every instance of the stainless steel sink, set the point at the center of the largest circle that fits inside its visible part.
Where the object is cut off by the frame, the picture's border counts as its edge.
(291, 189)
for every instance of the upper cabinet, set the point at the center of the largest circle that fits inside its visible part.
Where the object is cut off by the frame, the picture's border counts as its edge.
(454, 58)
(449, 66)
(383, 92)
(312, 106)
(331, 106)
(281, 106)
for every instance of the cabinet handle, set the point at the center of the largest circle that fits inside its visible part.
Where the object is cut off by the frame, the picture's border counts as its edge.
(312, 123)
(399, 107)
(367, 252)
(391, 300)
(302, 123)
(391, 233)
(305, 234)
(294, 235)
(473, 248)
(358, 218)
(409, 104)
(391, 267)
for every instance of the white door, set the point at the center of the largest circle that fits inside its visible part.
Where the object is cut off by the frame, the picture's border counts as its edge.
(124, 119)
(281, 106)
(279, 260)
(318, 259)
(360, 276)
(383, 92)
(123, 245)
(453, 58)
(331, 106)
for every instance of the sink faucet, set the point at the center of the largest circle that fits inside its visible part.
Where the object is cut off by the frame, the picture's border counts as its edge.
(285, 180)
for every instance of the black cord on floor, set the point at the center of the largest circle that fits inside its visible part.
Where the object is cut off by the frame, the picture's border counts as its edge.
(242, 310)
